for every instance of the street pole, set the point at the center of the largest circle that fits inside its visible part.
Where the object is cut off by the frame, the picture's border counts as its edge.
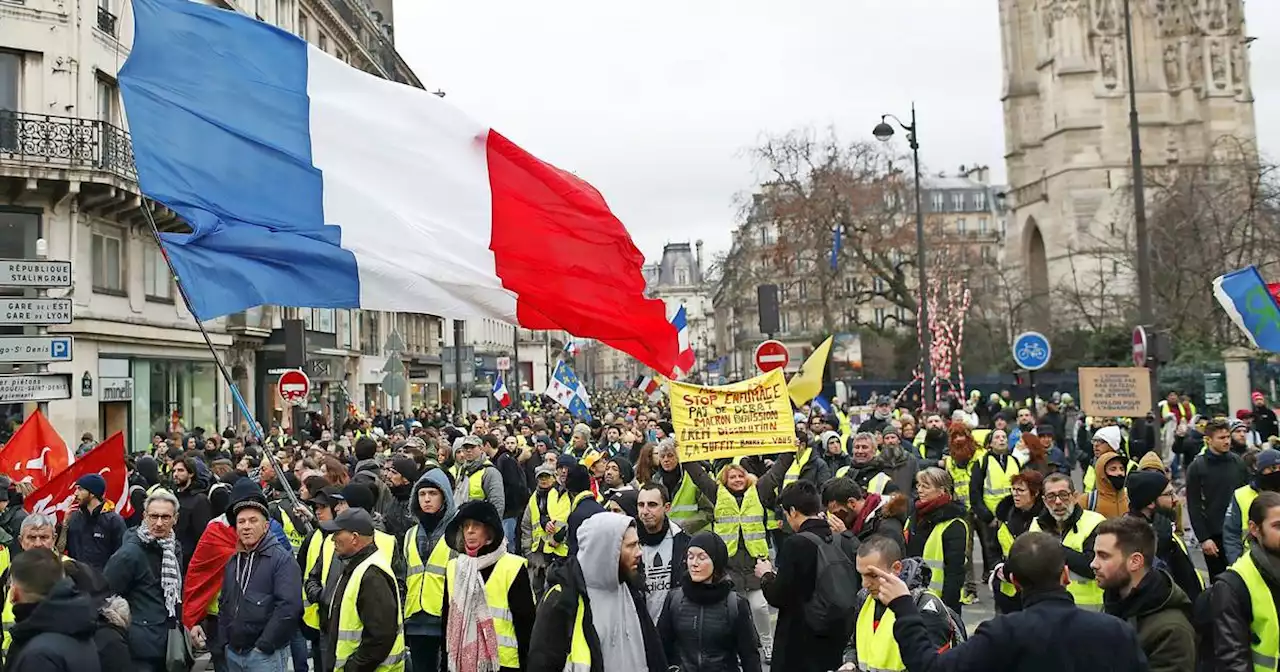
(42, 253)
(1146, 311)
(457, 364)
(926, 336)
(295, 357)
(515, 367)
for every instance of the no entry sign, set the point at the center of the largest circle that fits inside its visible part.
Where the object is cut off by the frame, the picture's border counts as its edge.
(772, 355)
(294, 386)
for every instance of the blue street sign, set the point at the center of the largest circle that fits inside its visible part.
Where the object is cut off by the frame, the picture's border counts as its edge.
(18, 349)
(60, 348)
(1031, 350)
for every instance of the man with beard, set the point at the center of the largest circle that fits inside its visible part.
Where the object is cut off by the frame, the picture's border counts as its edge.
(934, 449)
(1076, 528)
(1151, 499)
(662, 546)
(93, 534)
(400, 473)
(1243, 600)
(1026, 424)
(856, 515)
(880, 417)
(1137, 592)
(1266, 477)
(193, 502)
(1212, 480)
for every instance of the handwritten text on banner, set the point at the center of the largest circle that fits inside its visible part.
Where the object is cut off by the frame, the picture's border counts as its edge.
(752, 417)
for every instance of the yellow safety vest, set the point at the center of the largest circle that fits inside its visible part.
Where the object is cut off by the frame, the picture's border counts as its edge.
(877, 650)
(746, 520)
(684, 503)
(1201, 575)
(557, 510)
(475, 482)
(1265, 625)
(933, 558)
(793, 471)
(291, 532)
(350, 627)
(1087, 593)
(996, 486)
(424, 582)
(311, 612)
(7, 619)
(875, 485)
(495, 594)
(1244, 496)
(1005, 537)
(980, 437)
(960, 476)
(386, 548)
(579, 658)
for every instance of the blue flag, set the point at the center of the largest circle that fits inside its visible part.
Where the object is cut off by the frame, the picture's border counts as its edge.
(1249, 303)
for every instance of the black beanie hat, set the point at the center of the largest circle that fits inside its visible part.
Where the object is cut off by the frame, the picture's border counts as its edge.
(715, 549)
(1144, 487)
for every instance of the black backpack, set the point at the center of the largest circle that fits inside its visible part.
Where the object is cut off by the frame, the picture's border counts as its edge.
(835, 588)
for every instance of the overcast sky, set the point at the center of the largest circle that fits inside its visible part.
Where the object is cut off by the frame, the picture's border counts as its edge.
(655, 102)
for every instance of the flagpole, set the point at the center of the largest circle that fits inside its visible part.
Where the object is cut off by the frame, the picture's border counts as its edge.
(226, 375)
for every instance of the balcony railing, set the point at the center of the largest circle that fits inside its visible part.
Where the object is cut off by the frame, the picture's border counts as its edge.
(106, 21)
(66, 142)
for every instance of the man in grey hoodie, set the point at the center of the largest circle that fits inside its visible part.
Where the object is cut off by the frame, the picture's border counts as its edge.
(425, 555)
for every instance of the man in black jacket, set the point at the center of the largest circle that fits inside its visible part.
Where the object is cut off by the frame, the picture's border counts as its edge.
(93, 534)
(1212, 480)
(376, 597)
(1151, 498)
(1048, 635)
(1264, 419)
(193, 502)
(55, 624)
(1236, 640)
(515, 489)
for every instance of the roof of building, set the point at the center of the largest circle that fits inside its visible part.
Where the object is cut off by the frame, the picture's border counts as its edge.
(679, 262)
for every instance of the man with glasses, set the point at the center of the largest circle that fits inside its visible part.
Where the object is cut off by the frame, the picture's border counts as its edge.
(146, 573)
(1075, 527)
(1151, 498)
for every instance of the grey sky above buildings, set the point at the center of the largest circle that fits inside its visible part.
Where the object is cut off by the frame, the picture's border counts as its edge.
(655, 103)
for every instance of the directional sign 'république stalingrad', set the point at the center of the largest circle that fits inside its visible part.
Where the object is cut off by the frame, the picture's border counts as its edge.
(34, 312)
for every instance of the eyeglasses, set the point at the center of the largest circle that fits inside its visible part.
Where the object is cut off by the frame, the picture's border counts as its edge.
(1057, 496)
(1020, 491)
(158, 517)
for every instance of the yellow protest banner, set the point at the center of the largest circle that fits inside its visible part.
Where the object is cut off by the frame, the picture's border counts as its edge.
(752, 417)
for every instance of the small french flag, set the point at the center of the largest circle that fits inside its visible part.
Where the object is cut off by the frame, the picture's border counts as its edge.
(572, 348)
(650, 387)
(685, 358)
(500, 392)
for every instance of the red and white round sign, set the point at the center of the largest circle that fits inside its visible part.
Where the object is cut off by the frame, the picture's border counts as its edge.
(1139, 346)
(294, 386)
(772, 355)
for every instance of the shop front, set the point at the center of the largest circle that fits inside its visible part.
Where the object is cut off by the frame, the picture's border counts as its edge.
(168, 397)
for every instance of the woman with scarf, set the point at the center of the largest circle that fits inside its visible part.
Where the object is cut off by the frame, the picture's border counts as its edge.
(1015, 514)
(706, 626)
(488, 607)
(146, 573)
(938, 533)
(425, 553)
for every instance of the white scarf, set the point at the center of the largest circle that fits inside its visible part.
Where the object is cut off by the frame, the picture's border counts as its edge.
(170, 575)
(472, 643)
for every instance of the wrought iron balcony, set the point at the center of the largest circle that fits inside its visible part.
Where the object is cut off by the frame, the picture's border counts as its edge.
(106, 21)
(65, 142)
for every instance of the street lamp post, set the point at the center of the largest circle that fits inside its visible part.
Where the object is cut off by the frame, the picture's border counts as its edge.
(883, 132)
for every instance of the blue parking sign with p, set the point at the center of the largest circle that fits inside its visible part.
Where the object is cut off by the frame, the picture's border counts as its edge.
(60, 348)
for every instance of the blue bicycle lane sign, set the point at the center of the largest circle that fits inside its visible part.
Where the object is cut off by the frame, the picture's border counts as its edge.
(1031, 350)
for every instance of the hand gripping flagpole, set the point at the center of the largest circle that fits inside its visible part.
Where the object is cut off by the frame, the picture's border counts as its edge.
(226, 375)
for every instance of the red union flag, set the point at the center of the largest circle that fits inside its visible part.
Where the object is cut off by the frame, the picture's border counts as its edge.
(35, 453)
(58, 496)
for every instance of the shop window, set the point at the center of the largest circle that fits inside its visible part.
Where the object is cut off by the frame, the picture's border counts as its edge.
(304, 26)
(155, 275)
(181, 395)
(343, 321)
(108, 261)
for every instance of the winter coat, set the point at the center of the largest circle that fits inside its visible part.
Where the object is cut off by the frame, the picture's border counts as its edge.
(55, 634)
(1106, 499)
(1212, 480)
(554, 625)
(1233, 613)
(796, 647)
(111, 639)
(1161, 613)
(515, 488)
(93, 536)
(815, 470)
(1264, 422)
(491, 482)
(196, 512)
(264, 611)
(718, 636)
(954, 547)
(1050, 634)
(381, 624)
(134, 574)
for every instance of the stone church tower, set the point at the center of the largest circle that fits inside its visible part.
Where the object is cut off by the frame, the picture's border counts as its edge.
(1066, 115)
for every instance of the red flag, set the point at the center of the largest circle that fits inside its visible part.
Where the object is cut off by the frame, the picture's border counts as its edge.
(58, 496)
(204, 575)
(35, 453)
(1274, 288)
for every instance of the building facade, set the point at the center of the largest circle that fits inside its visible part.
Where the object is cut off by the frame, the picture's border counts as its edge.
(679, 279)
(965, 222)
(1066, 110)
(139, 364)
(531, 361)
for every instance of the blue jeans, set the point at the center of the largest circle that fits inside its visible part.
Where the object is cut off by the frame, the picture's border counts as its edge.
(509, 529)
(298, 651)
(257, 661)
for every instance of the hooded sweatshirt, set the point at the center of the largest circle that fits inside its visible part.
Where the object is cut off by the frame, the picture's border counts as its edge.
(614, 614)
(1161, 613)
(422, 623)
(1106, 498)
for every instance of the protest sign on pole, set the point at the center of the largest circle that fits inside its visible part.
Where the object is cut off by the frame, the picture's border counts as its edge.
(752, 417)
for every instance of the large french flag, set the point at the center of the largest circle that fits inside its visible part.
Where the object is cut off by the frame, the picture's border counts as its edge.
(307, 182)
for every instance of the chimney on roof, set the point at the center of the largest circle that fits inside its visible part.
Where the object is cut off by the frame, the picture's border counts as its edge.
(698, 257)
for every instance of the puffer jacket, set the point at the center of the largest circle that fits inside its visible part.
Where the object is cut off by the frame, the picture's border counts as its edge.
(134, 574)
(709, 629)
